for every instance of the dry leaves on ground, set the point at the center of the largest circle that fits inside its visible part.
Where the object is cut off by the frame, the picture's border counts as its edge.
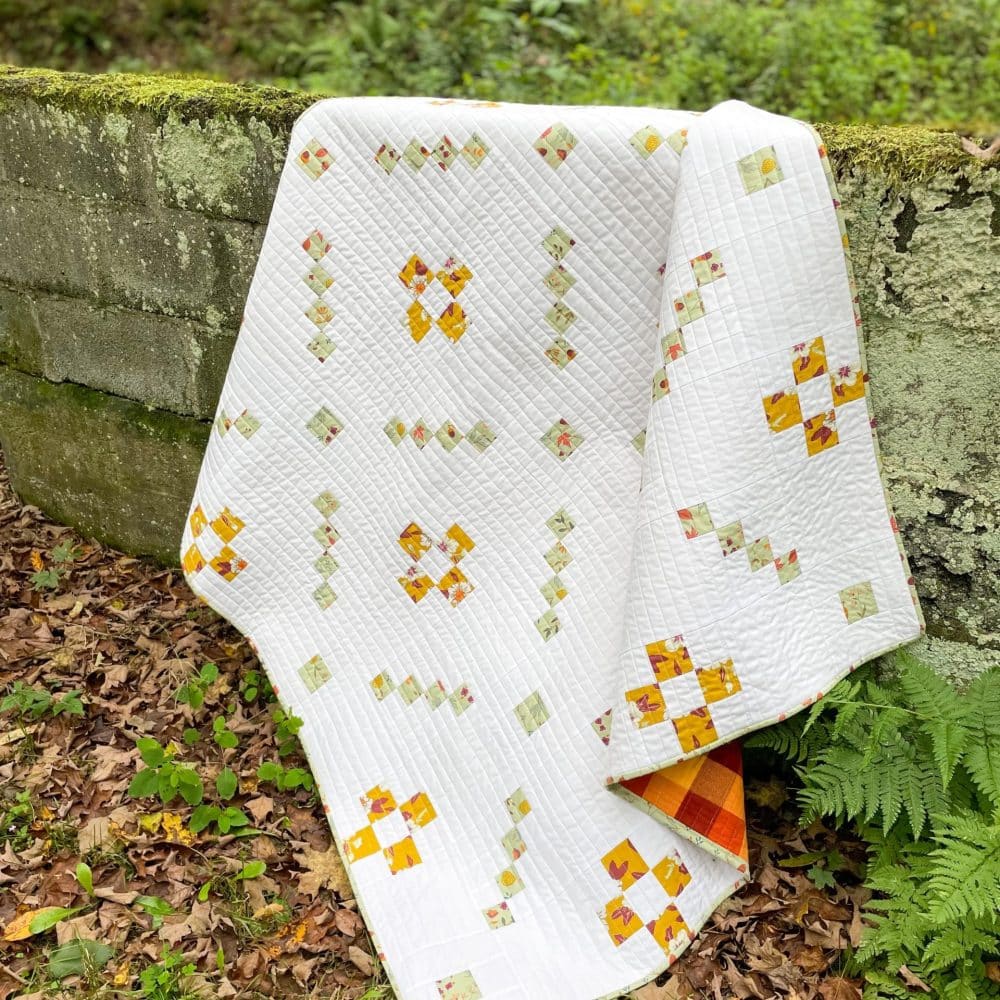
(265, 908)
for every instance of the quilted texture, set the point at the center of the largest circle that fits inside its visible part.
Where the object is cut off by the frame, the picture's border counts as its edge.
(542, 471)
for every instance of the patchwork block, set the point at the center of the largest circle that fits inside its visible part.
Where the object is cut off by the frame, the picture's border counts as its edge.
(401, 854)
(314, 674)
(783, 409)
(417, 277)
(760, 169)
(449, 580)
(314, 160)
(459, 986)
(562, 439)
(707, 267)
(646, 141)
(555, 144)
(858, 601)
(532, 713)
(625, 865)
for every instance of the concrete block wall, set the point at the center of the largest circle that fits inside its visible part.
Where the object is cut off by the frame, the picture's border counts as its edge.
(131, 213)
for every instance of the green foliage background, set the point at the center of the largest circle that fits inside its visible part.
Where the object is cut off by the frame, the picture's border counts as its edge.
(832, 60)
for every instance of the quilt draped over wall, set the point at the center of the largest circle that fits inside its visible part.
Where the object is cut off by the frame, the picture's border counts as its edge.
(543, 470)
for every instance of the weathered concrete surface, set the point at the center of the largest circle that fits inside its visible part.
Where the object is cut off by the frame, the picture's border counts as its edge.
(175, 364)
(132, 210)
(111, 468)
(160, 260)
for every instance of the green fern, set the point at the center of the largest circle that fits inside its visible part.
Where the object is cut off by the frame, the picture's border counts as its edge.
(983, 756)
(788, 740)
(942, 710)
(914, 766)
(965, 869)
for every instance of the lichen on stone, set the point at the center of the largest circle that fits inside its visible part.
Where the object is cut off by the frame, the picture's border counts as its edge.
(203, 164)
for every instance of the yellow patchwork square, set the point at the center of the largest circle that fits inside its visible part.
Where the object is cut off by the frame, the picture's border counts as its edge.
(198, 521)
(669, 927)
(402, 855)
(646, 706)
(809, 360)
(416, 275)
(227, 525)
(417, 586)
(363, 844)
(621, 920)
(418, 811)
(193, 561)
(695, 730)
(624, 864)
(454, 277)
(782, 410)
(457, 543)
(669, 658)
(821, 432)
(228, 564)
(847, 384)
(378, 802)
(413, 541)
(672, 874)
(455, 586)
(418, 320)
(452, 322)
(718, 681)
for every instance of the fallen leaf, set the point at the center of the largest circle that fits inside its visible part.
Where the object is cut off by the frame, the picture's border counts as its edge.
(323, 869)
(838, 988)
(362, 960)
(30, 922)
(912, 980)
(175, 830)
(268, 911)
(260, 808)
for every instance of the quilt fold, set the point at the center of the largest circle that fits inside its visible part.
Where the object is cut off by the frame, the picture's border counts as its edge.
(544, 469)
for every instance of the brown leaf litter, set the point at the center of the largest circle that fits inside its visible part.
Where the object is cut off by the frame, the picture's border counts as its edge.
(126, 635)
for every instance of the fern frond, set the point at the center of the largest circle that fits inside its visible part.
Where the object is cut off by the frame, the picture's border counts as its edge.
(964, 982)
(956, 943)
(788, 740)
(882, 986)
(943, 713)
(965, 869)
(983, 756)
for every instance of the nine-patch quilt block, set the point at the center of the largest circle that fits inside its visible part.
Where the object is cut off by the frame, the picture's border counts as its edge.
(543, 470)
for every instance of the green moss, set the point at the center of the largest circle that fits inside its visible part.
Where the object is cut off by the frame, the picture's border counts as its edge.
(188, 97)
(160, 425)
(903, 154)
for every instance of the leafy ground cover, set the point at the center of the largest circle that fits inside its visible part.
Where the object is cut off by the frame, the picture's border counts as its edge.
(160, 836)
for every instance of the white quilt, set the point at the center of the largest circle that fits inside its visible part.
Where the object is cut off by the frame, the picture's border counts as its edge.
(544, 461)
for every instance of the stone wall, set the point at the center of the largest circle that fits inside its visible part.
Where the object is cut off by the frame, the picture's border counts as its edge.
(133, 209)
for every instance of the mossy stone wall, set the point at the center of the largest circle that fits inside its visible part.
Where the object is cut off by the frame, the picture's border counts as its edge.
(133, 209)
